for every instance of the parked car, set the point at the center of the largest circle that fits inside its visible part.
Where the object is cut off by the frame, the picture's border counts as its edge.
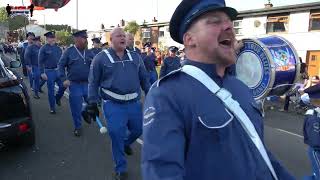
(16, 124)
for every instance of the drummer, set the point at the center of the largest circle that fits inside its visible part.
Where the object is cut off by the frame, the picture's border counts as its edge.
(183, 136)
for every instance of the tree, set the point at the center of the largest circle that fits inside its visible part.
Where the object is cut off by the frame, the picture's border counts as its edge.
(132, 27)
(15, 22)
(57, 27)
(3, 15)
(64, 37)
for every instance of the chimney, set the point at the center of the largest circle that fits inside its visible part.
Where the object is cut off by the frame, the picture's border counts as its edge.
(122, 23)
(268, 5)
(154, 19)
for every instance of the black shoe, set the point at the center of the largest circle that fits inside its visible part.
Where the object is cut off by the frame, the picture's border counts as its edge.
(40, 91)
(58, 102)
(128, 150)
(120, 176)
(36, 96)
(86, 117)
(77, 132)
(52, 112)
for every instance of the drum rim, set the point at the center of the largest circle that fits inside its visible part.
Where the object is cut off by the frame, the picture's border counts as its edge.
(272, 67)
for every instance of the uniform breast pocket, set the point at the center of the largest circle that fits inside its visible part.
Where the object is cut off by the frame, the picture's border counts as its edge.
(107, 69)
(48, 52)
(216, 125)
(73, 60)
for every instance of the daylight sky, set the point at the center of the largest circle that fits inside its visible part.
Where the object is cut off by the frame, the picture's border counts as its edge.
(109, 12)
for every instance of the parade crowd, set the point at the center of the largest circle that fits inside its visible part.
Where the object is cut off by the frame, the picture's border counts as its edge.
(197, 120)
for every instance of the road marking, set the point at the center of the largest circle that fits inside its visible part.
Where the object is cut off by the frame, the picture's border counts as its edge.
(66, 94)
(297, 135)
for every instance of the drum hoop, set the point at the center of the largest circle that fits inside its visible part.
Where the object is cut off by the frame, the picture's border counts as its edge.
(272, 68)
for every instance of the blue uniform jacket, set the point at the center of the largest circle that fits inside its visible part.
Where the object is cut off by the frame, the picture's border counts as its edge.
(135, 49)
(31, 55)
(313, 91)
(95, 51)
(150, 62)
(169, 64)
(122, 77)
(49, 56)
(23, 50)
(189, 134)
(77, 67)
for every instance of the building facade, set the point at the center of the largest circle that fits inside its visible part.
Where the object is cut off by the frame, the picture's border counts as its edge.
(299, 24)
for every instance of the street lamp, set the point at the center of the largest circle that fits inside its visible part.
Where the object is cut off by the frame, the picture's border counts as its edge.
(77, 15)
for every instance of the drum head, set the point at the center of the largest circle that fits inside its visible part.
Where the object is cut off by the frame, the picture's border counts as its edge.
(254, 68)
(249, 69)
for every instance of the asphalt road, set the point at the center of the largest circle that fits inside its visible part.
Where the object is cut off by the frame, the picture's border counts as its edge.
(58, 155)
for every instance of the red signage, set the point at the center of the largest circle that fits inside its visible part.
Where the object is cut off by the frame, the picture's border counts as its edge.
(26, 8)
(50, 4)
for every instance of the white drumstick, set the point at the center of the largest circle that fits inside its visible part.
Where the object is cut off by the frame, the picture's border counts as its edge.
(103, 129)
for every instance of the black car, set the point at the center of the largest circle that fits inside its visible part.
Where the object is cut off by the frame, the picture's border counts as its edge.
(16, 124)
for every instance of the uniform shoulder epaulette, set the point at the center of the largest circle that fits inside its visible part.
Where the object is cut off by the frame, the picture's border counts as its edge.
(169, 75)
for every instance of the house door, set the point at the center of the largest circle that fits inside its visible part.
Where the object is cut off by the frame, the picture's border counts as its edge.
(313, 62)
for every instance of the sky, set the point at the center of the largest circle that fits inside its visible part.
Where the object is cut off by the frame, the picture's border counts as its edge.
(92, 13)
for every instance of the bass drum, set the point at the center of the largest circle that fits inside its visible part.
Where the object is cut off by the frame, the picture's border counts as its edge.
(268, 66)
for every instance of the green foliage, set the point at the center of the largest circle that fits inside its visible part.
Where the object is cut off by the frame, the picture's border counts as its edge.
(15, 23)
(64, 37)
(3, 15)
(57, 27)
(132, 27)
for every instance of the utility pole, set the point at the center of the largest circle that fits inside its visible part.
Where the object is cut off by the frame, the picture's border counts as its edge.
(77, 15)
(24, 21)
(157, 9)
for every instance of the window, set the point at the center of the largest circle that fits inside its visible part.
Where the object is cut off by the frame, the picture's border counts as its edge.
(314, 23)
(161, 33)
(146, 34)
(278, 24)
(237, 25)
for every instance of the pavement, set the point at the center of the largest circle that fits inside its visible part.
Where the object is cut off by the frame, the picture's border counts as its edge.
(59, 155)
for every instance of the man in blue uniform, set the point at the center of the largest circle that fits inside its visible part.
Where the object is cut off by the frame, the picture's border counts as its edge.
(130, 44)
(118, 73)
(27, 71)
(150, 63)
(170, 63)
(96, 46)
(49, 56)
(193, 129)
(32, 64)
(105, 45)
(76, 59)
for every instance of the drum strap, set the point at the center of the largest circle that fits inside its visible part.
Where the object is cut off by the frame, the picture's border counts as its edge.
(226, 97)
